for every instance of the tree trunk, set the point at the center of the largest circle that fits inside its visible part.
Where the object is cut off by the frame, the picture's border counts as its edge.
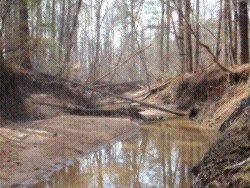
(226, 35)
(3, 18)
(97, 48)
(235, 5)
(133, 69)
(62, 28)
(162, 61)
(53, 24)
(218, 49)
(70, 41)
(53, 19)
(38, 64)
(24, 35)
(197, 45)
(181, 37)
(230, 33)
(168, 30)
(189, 53)
(1, 48)
(243, 24)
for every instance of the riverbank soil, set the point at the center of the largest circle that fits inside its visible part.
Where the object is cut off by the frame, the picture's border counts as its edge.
(219, 96)
(227, 163)
(31, 151)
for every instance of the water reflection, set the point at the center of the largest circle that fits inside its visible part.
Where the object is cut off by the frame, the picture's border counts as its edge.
(158, 157)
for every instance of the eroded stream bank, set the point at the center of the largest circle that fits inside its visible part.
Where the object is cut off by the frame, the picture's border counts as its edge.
(160, 155)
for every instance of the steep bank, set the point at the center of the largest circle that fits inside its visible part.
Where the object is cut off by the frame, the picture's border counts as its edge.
(227, 162)
(221, 97)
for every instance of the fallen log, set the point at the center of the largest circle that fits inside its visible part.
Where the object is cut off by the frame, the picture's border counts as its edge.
(112, 103)
(161, 108)
(237, 166)
(79, 110)
(18, 84)
(36, 82)
(157, 88)
(129, 84)
(61, 87)
(120, 88)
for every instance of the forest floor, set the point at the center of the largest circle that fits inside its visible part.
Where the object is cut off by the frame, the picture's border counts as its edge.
(32, 151)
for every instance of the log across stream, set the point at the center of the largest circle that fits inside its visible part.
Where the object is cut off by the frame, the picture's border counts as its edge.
(161, 155)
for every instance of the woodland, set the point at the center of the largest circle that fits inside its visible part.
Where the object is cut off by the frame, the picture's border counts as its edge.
(96, 68)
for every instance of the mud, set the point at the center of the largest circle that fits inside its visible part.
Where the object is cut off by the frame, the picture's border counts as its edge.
(30, 152)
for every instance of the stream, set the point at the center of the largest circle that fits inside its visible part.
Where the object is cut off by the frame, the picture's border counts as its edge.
(161, 155)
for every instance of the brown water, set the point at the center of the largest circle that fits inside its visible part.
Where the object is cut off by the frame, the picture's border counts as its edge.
(160, 156)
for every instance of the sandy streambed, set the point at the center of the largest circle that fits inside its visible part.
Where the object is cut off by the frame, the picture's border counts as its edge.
(29, 152)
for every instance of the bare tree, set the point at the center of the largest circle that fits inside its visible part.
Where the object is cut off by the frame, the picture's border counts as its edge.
(70, 41)
(94, 72)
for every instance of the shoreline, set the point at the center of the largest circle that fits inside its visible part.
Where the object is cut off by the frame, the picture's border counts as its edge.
(55, 148)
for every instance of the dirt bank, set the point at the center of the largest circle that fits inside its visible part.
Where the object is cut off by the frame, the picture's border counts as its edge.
(227, 162)
(219, 96)
(30, 152)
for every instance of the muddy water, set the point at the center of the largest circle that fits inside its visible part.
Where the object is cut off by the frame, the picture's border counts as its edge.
(160, 156)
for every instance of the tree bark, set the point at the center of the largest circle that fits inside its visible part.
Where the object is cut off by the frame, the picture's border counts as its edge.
(168, 30)
(243, 24)
(162, 61)
(197, 45)
(181, 37)
(236, 19)
(24, 35)
(226, 33)
(230, 33)
(1, 48)
(218, 49)
(189, 53)
(98, 33)
(70, 41)
(62, 29)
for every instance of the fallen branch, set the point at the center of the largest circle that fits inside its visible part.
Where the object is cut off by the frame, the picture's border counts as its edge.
(237, 166)
(157, 88)
(74, 109)
(175, 112)
(132, 83)
(73, 88)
